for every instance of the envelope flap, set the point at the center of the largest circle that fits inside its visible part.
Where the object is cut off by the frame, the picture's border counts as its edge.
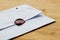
(25, 12)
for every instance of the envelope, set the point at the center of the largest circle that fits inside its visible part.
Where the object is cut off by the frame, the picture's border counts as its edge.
(34, 19)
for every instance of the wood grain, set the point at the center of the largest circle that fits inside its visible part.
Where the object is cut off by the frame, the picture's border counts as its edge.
(50, 8)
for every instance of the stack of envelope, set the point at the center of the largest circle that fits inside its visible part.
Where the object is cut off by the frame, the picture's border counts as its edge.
(33, 17)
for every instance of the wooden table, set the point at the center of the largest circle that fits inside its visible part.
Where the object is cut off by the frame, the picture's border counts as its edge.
(50, 8)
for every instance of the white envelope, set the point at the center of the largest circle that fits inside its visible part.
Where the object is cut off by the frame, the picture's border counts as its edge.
(34, 19)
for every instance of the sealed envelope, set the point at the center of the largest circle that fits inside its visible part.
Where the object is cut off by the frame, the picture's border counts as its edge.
(33, 19)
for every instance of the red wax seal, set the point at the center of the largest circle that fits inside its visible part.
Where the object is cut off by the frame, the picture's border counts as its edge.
(19, 22)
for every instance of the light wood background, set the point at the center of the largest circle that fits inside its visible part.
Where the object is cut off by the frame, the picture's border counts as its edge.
(50, 8)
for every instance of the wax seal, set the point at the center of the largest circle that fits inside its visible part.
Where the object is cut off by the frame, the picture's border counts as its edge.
(19, 22)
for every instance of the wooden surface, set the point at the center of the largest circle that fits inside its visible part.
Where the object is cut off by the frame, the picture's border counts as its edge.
(50, 8)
